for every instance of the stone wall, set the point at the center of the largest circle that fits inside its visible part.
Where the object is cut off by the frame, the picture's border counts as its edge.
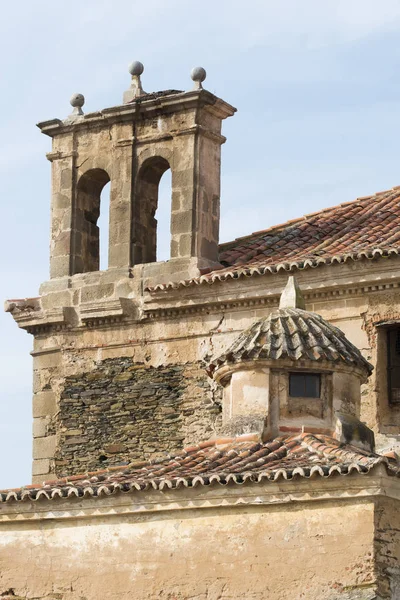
(186, 325)
(123, 411)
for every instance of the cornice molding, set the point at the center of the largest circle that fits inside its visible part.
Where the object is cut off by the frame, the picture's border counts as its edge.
(347, 488)
(163, 306)
(342, 291)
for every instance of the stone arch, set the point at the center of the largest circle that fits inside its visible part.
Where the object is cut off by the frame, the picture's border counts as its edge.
(144, 234)
(86, 234)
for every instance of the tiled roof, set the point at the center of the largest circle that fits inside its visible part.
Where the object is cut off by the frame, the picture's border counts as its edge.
(295, 334)
(220, 461)
(365, 228)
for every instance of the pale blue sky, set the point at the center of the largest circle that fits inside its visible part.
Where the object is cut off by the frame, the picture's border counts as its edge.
(316, 85)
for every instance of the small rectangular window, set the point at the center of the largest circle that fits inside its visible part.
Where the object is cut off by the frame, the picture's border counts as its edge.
(393, 362)
(304, 385)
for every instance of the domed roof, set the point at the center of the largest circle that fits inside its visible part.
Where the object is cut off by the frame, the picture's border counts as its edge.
(292, 333)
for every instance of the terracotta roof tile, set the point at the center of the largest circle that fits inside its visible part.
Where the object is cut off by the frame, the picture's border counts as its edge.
(368, 227)
(295, 334)
(220, 461)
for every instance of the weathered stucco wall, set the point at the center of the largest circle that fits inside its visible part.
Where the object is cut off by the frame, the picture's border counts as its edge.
(308, 551)
(387, 547)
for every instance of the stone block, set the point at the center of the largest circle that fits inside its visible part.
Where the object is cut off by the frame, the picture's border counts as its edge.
(61, 201)
(182, 179)
(46, 360)
(174, 248)
(41, 467)
(185, 245)
(176, 201)
(216, 206)
(349, 430)
(37, 385)
(121, 211)
(66, 179)
(182, 222)
(120, 232)
(209, 249)
(39, 427)
(59, 266)
(115, 448)
(54, 285)
(82, 279)
(92, 293)
(44, 404)
(57, 299)
(44, 447)
(119, 255)
(62, 244)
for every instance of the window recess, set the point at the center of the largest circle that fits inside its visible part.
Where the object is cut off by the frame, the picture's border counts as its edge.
(393, 362)
(304, 385)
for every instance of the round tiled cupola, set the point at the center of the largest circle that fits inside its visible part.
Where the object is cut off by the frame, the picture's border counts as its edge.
(290, 370)
(294, 334)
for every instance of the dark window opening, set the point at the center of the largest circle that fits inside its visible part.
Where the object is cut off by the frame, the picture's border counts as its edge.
(146, 214)
(304, 385)
(393, 362)
(86, 231)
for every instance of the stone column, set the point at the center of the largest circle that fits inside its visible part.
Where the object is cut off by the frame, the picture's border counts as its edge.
(196, 194)
(119, 250)
(63, 167)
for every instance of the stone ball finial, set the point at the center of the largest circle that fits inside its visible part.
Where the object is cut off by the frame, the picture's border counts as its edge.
(77, 100)
(135, 90)
(198, 74)
(136, 68)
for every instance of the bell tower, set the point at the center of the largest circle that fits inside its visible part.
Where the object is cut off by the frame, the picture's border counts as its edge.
(132, 145)
(93, 327)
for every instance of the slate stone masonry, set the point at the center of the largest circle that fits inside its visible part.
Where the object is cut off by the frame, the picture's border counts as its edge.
(121, 412)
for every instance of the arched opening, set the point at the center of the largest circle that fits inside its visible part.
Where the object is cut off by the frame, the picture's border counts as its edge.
(86, 232)
(163, 217)
(103, 225)
(147, 197)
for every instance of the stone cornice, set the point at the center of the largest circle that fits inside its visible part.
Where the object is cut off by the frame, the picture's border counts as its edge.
(350, 488)
(148, 105)
(227, 296)
(334, 292)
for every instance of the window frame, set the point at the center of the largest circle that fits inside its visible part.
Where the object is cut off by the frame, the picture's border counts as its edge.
(305, 374)
(390, 366)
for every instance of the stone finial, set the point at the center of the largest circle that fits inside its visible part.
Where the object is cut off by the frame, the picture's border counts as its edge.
(136, 68)
(198, 74)
(77, 101)
(291, 296)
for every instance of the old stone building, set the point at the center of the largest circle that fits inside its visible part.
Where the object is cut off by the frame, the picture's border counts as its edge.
(199, 433)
